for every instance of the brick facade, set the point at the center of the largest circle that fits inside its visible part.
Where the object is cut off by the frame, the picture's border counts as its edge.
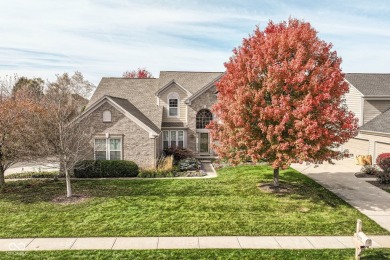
(205, 100)
(136, 144)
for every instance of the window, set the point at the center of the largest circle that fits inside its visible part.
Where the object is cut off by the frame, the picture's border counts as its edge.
(106, 116)
(115, 149)
(180, 138)
(100, 149)
(165, 139)
(173, 138)
(203, 118)
(108, 149)
(173, 104)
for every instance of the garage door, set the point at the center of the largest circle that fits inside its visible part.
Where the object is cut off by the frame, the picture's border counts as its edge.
(381, 148)
(357, 146)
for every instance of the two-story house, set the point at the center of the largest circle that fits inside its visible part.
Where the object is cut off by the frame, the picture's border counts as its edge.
(135, 119)
(369, 100)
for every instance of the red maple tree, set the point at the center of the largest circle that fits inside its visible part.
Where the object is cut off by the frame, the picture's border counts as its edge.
(138, 73)
(281, 99)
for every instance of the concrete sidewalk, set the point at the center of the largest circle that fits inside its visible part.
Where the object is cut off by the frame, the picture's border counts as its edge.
(340, 179)
(235, 242)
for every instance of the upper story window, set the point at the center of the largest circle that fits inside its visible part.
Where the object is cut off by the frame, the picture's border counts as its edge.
(173, 104)
(107, 116)
(203, 118)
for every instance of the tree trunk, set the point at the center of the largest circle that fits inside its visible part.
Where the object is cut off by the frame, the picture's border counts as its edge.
(68, 187)
(2, 180)
(276, 177)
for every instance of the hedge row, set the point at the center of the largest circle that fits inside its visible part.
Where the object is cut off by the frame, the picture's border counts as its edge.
(105, 169)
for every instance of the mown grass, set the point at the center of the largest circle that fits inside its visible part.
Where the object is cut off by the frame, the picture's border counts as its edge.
(230, 204)
(373, 254)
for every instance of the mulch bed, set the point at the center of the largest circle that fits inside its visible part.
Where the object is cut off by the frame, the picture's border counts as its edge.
(75, 199)
(380, 185)
(363, 175)
(284, 188)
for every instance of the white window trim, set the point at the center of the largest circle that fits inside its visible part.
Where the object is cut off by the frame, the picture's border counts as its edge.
(107, 146)
(174, 95)
(177, 138)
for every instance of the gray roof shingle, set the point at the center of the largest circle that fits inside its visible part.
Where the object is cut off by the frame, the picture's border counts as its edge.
(138, 95)
(126, 105)
(138, 92)
(381, 123)
(370, 84)
(190, 80)
(172, 124)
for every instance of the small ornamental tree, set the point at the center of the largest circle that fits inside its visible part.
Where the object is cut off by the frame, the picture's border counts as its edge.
(19, 120)
(139, 73)
(281, 99)
(67, 139)
(383, 161)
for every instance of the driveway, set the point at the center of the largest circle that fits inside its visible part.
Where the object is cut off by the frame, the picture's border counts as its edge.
(43, 165)
(340, 179)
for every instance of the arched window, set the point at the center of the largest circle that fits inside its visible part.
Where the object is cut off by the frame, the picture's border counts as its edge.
(203, 118)
(173, 104)
(107, 116)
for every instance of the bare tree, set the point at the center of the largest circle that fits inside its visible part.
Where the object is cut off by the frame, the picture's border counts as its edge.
(68, 139)
(19, 117)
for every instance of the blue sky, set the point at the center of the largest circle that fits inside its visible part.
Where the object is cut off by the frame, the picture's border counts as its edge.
(104, 38)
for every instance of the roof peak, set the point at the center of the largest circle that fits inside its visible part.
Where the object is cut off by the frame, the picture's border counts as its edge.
(125, 78)
(189, 71)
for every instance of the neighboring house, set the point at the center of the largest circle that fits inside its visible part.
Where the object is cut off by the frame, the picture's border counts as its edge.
(135, 119)
(369, 100)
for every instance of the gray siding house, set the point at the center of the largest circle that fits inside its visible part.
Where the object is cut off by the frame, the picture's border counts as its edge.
(369, 100)
(135, 119)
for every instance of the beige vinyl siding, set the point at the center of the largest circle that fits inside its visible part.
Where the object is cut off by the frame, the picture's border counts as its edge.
(353, 100)
(377, 142)
(381, 148)
(182, 105)
(373, 108)
(357, 146)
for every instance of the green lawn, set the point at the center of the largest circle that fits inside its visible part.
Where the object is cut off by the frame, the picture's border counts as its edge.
(373, 254)
(230, 204)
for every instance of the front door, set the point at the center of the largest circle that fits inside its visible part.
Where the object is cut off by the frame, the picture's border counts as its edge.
(203, 142)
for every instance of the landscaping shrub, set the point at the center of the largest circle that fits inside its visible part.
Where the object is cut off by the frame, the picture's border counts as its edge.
(383, 177)
(105, 169)
(369, 169)
(178, 153)
(158, 173)
(383, 161)
(153, 173)
(189, 164)
(32, 175)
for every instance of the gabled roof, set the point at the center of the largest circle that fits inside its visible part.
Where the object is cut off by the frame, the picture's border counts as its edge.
(381, 123)
(169, 84)
(202, 90)
(130, 108)
(370, 84)
(126, 108)
(190, 80)
(138, 92)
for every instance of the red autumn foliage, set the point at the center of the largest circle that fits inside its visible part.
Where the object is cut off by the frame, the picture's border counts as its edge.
(139, 73)
(383, 161)
(280, 99)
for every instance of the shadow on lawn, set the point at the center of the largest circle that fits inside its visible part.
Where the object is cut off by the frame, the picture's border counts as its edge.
(303, 188)
(241, 181)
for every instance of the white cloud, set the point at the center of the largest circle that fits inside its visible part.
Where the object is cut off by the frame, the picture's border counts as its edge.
(100, 38)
